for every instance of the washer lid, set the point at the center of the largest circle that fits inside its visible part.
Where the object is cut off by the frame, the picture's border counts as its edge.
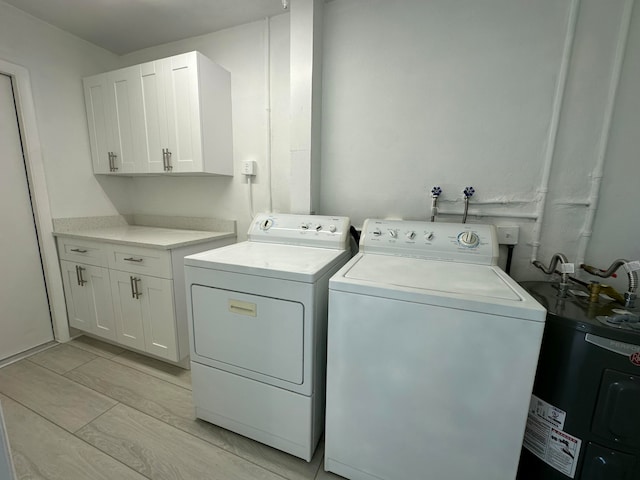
(483, 288)
(288, 262)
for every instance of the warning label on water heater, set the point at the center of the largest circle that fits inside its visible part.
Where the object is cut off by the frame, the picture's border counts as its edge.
(546, 440)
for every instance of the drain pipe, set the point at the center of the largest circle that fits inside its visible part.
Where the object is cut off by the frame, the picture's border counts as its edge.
(598, 171)
(553, 127)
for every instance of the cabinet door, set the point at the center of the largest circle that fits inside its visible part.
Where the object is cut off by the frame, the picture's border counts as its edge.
(126, 114)
(155, 114)
(183, 112)
(127, 309)
(96, 97)
(158, 317)
(88, 296)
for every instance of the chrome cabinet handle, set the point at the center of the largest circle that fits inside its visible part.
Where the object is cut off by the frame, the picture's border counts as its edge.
(112, 162)
(133, 289)
(79, 250)
(166, 160)
(81, 281)
(135, 292)
(131, 259)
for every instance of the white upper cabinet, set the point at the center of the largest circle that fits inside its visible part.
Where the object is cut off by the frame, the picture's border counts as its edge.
(100, 136)
(127, 119)
(168, 116)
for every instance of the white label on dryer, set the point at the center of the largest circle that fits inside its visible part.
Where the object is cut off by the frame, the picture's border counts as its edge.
(545, 439)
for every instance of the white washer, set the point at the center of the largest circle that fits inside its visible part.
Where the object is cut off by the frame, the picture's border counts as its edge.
(258, 326)
(432, 352)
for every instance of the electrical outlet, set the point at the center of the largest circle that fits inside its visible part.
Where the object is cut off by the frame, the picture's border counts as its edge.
(249, 167)
(508, 234)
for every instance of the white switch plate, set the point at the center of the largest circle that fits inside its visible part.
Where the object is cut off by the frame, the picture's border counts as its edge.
(508, 234)
(249, 167)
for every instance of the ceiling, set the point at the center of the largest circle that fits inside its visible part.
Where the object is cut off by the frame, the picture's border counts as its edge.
(123, 26)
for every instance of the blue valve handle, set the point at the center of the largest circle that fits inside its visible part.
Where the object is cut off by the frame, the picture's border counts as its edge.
(468, 192)
(436, 191)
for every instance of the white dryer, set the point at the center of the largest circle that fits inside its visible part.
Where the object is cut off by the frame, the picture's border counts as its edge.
(432, 352)
(258, 324)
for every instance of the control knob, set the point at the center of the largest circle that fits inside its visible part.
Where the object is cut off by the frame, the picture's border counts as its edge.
(318, 227)
(377, 232)
(468, 239)
(411, 235)
(266, 225)
(393, 233)
(429, 236)
(304, 226)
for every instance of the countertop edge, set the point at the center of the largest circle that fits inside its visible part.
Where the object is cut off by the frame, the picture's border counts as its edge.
(93, 236)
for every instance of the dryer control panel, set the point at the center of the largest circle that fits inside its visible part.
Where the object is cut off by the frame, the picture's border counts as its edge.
(305, 230)
(453, 242)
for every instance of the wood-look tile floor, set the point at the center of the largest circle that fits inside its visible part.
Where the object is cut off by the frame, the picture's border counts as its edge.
(87, 410)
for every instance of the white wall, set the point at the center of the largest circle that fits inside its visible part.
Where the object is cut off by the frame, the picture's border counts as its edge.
(616, 231)
(56, 62)
(241, 50)
(417, 94)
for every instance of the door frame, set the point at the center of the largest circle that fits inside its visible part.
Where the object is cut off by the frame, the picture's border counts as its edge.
(39, 196)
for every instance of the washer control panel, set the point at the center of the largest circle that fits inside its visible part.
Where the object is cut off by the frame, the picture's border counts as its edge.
(307, 230)
(456, 242)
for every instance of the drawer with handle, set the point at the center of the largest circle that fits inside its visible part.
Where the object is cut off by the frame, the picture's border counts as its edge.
(146, 261)
(82, 251)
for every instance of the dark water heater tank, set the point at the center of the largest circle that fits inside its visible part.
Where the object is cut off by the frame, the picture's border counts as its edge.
(584, 417)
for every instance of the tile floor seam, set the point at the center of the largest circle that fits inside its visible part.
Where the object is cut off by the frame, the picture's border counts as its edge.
(97, 417)
(102, 451)
(52, 370)
(73, 433)
(137, 371)
(98, 357)
(50, 420)
(191, 435)
(176, 426)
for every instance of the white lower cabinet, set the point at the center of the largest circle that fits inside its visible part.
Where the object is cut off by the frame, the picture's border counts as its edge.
(133, 296)
(144, 313)
(88, 296)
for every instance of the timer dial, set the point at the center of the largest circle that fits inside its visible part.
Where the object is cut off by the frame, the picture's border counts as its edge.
(468, 239)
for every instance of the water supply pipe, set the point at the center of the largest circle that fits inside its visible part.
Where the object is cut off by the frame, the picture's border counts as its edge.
(630, 294)
(435, 193)
(468, 193)
(564, 275)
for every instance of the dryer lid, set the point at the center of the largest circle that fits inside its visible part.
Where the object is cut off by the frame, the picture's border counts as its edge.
(288, 262)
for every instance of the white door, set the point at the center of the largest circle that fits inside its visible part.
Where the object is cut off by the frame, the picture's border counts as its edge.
(126, 116)
(25, 321)
(88, 293)
(127, 309)
(96, 97)
(183, 112)
(155, 115)
(156, 295)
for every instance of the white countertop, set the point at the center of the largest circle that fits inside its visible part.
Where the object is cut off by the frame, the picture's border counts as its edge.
(152, 237)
